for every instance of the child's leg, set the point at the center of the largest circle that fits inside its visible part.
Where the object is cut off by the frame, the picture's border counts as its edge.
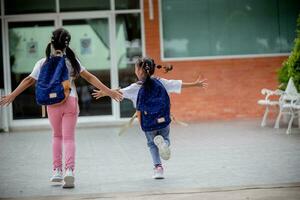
(55, 118)
(68, 129)
(165, 134)
(153, 148)
(162, 142)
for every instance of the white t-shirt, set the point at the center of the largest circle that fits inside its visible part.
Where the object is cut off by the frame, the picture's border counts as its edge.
(131, 92)
(37, 68)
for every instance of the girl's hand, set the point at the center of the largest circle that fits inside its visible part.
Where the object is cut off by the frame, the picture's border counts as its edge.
(116, 95)
(198, 83)
(201, 83)
(6, 100)
(98, 94)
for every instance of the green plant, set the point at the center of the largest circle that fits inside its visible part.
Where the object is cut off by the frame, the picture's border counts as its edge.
(291, 66)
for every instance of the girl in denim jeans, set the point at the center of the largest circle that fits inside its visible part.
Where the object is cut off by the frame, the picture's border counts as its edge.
(158, 140)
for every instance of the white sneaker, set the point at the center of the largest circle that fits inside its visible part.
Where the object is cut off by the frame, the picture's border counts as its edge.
(57, 175)
(158, 173)
(163, 148)
(69, 179)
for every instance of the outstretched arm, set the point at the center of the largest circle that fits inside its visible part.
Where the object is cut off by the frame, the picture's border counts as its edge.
(26, 83)
(97, 94)
(98, 84)
(198, 83)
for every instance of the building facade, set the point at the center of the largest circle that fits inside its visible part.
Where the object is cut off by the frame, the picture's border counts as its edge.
(237, 45)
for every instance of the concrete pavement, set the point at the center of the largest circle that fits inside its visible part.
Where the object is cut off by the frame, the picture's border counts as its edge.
(266, 192)
(213, 155)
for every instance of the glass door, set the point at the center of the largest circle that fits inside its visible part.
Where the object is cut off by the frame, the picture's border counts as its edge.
(27, 42)
(91, 43)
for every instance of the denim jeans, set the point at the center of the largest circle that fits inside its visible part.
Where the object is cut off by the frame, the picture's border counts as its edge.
(164, 132)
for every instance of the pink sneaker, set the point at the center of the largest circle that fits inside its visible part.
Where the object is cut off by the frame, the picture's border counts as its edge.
(57, 176)
(158, 173)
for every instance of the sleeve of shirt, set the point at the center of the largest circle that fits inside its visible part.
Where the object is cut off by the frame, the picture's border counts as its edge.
(172, 85)
(82, 68)
(37, 68)
(130, 92)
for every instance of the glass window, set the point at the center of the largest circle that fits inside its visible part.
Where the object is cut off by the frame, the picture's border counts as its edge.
(230, 27)
(27, 44)
(289, 10)
(79, 5)
(127, 4)
(129, 47)
(28, 6)
(90, 42)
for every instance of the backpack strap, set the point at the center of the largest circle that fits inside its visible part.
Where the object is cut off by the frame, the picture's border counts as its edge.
(128, 124)
(44, 111)
(178, 121)
(139, 82)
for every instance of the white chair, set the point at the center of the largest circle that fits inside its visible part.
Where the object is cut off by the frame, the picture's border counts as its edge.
(267, 102)
(294, 112)
(286, 100)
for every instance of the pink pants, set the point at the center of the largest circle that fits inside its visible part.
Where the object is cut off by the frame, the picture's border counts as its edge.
(63, 119)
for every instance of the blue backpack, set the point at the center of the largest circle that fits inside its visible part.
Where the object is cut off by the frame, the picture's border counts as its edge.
(53, 85)
(154, 105)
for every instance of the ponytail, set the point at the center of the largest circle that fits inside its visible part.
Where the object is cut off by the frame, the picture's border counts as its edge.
(48, 50)
(74, 62)
(167, 68)
(149, 69)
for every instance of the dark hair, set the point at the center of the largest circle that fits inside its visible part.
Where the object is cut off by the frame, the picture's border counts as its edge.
(60, 40)
(149, 66)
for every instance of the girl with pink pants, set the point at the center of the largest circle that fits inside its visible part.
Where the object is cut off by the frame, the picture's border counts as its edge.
(62, 117)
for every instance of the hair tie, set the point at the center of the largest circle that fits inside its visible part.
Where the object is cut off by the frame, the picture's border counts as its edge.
(67, 40)
(147, 68)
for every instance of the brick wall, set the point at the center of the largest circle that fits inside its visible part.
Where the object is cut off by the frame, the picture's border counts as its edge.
(234, 84)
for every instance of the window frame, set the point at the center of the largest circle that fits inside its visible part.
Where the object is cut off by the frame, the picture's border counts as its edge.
(58, 18)
(163, 58)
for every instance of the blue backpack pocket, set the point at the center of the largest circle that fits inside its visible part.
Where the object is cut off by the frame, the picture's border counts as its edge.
(154, 105)
(53, 85)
